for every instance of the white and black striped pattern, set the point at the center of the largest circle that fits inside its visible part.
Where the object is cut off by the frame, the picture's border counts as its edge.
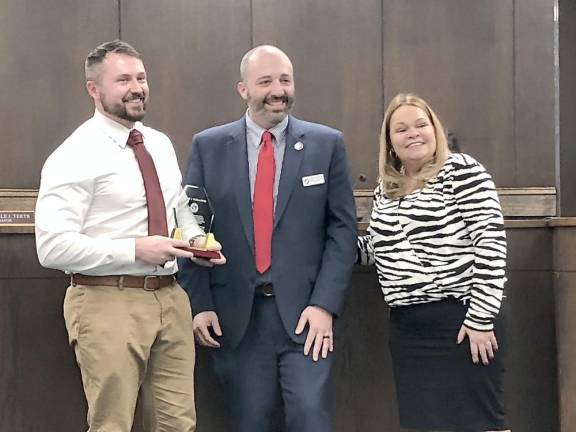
(445, 240)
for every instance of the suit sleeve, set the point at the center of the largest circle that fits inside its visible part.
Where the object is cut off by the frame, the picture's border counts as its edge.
(193, 278)
(341, 236)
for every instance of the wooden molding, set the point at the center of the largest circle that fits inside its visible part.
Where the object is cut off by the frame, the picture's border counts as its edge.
(528, 202)
(533, 202)
(517, 203)
(562, 222)
(18, 199)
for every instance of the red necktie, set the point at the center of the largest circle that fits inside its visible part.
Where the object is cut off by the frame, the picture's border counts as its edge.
(154, 200)
(263, 210)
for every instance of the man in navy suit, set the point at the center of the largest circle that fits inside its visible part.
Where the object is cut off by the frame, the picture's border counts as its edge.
(285, 215)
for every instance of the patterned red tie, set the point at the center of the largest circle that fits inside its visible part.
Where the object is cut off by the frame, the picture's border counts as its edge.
(263, 210)
(157, 224)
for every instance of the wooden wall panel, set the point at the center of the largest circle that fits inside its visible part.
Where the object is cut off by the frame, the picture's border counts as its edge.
(530, 249)
(567, 94)
(336, 49)
(534, 98)
(482, 65)
(485, 67)
(364, 395)
(18, 259)
(40, 387)
(192, 52)
(565, 292)
(531, 379)
(210, 405)
(363, 386)
(43, 46)
(531, 384)
(459, 56)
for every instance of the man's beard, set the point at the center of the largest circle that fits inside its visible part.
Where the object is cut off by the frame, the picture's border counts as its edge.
(118, 110)
(259, 106)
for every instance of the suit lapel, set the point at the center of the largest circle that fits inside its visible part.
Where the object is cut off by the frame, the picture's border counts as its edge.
(241, 180)
(290, 167)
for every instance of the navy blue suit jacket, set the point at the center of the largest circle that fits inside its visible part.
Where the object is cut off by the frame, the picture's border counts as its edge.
(314, 237)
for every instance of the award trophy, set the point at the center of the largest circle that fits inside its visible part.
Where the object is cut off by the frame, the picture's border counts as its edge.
(200, 209)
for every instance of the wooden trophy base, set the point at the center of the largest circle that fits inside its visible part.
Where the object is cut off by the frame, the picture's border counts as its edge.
(200, 253)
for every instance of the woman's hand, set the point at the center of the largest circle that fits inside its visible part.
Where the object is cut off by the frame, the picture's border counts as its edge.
(483, 345)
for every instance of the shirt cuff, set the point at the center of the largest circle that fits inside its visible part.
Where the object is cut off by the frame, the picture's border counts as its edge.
(125, 251)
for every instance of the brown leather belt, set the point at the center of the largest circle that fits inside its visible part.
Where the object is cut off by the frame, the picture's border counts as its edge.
(148, 283)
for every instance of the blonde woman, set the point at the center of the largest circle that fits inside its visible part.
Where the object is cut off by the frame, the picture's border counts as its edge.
(437, 239)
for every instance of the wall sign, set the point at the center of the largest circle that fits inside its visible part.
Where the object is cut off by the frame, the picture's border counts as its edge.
(16, 218)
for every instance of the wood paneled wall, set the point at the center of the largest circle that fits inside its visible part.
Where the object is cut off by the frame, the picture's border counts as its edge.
(566, 153)
(40, 387)
(487, 68)
(459, 56)
(484, 66)
(192, 51)
(42, 47)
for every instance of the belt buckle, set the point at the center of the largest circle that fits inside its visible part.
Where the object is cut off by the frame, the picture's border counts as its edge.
(267, 290)
(146, 287)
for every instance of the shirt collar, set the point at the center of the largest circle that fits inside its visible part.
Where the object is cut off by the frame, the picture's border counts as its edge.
(116, 132)
(279, 131)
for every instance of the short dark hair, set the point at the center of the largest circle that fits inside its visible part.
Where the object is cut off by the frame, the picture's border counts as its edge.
(98, 54)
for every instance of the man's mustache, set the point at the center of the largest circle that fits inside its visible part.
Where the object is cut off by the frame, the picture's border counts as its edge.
(134, 96)
(284, 99)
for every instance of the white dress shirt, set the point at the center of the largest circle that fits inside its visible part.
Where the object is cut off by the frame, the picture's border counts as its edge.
(92, 204)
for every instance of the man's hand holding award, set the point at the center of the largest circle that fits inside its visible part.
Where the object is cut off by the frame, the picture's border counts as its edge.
(205, 248)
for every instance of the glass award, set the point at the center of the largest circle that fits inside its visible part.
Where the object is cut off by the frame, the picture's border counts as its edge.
(197, 206)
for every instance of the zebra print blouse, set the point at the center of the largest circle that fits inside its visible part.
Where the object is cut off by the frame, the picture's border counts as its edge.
(444, 240)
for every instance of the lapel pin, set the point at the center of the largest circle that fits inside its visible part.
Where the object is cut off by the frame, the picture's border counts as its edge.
(298, 146)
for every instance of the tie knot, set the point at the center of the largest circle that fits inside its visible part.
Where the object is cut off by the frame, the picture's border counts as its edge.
(266, 137)
(134, 138)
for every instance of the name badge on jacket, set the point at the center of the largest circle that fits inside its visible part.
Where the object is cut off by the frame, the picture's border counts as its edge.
(313, 180)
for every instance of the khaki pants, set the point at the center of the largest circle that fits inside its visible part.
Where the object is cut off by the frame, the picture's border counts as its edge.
(127, 339)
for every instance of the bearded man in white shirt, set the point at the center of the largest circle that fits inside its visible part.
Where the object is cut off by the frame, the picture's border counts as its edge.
(128, 320)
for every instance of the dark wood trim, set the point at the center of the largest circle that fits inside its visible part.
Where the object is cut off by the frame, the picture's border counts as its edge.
(518, 204)
(529, 202)
(525, 223)
(561, 222)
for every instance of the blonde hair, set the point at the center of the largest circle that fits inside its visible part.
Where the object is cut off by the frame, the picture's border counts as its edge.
(392, 180)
